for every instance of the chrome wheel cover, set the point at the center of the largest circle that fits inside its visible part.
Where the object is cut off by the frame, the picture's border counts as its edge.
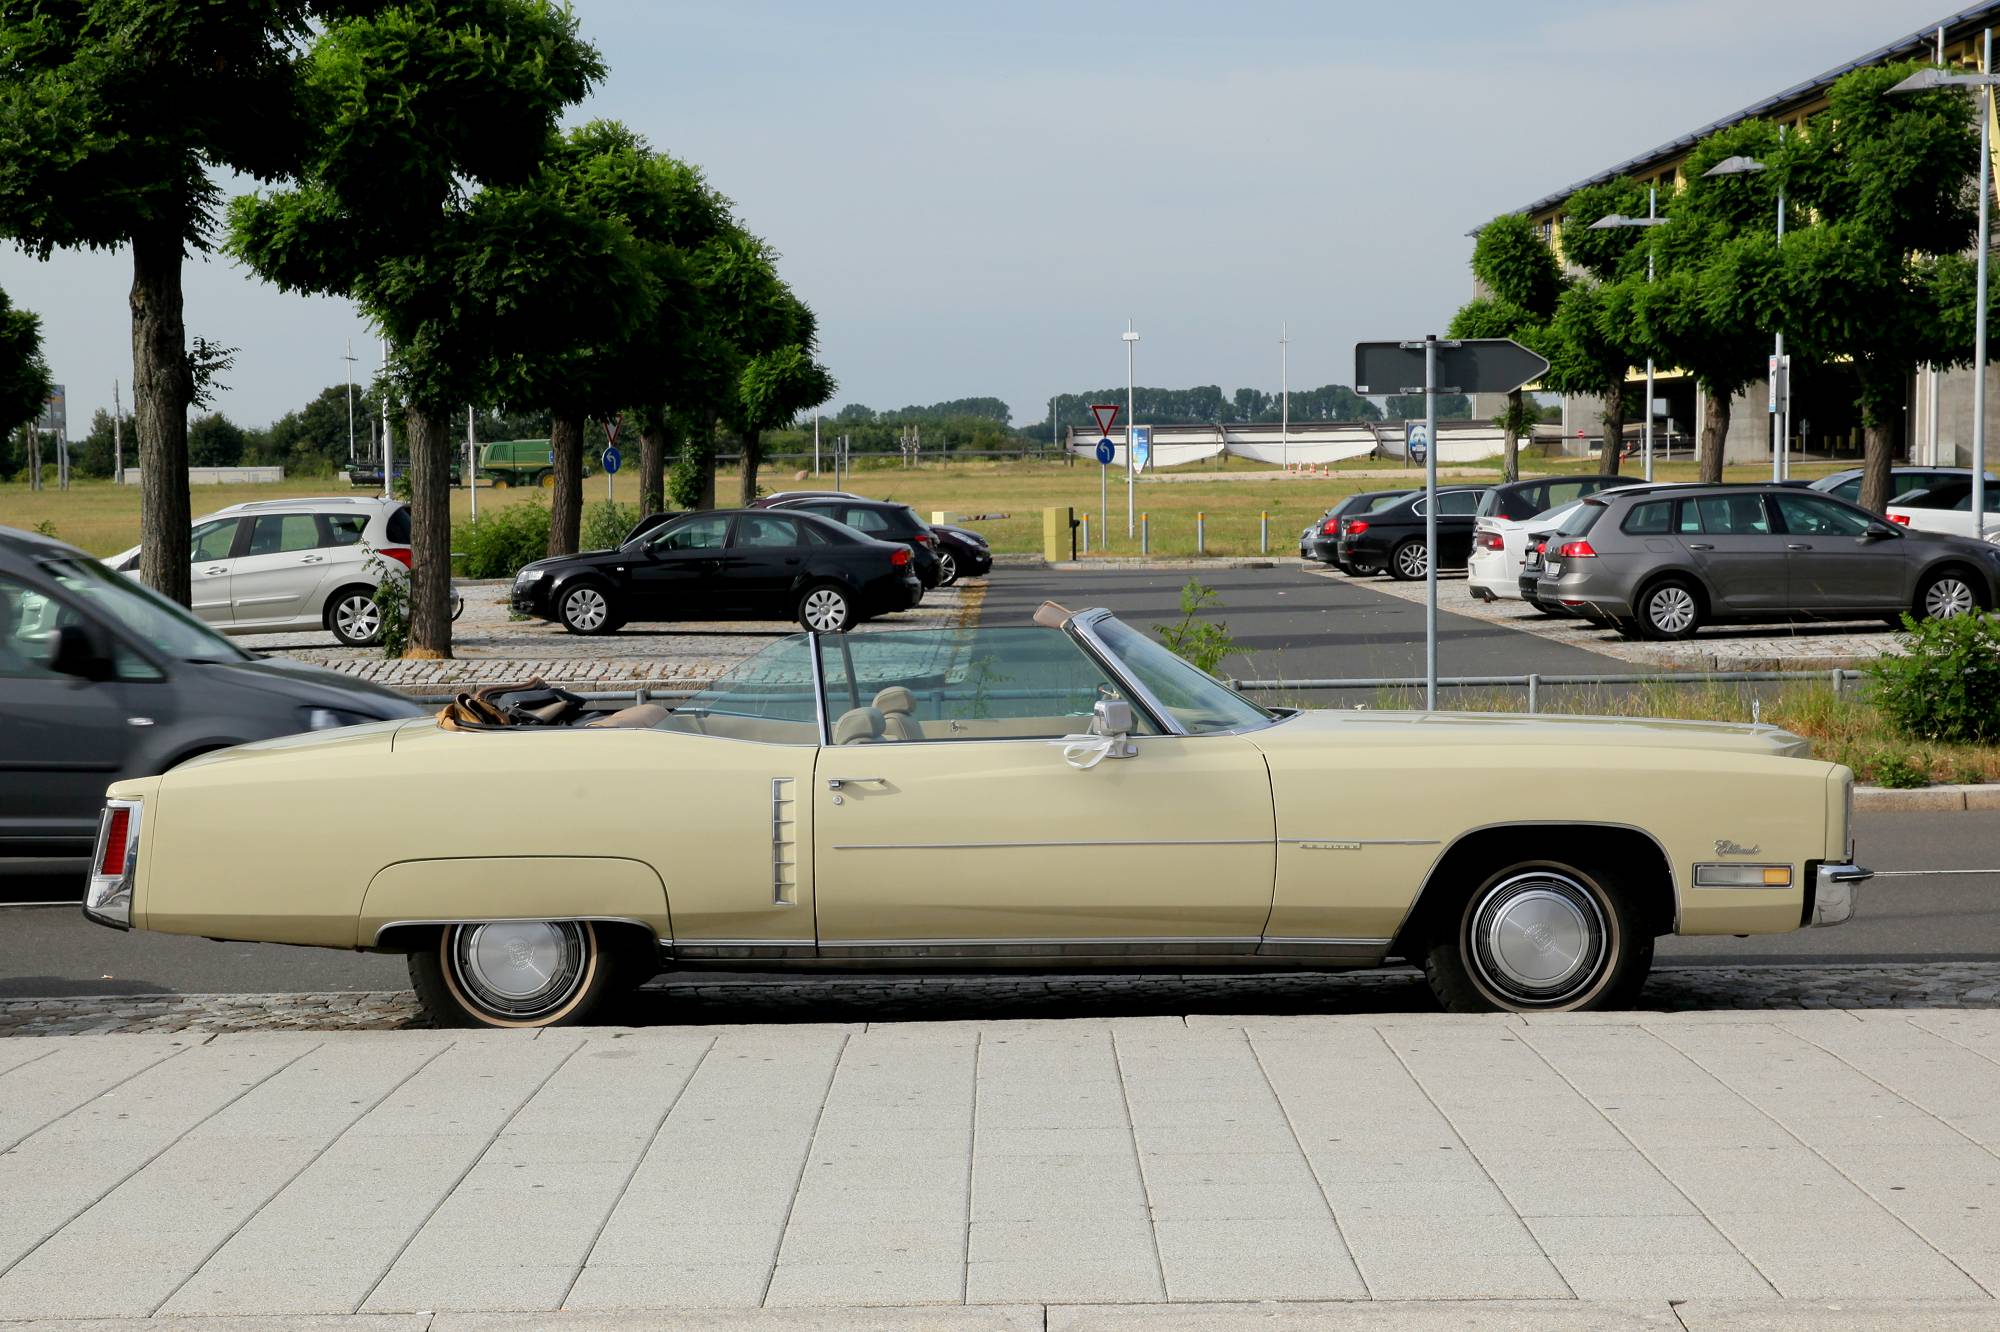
(1538, 939)
(356, 618)
(1671, 609)
(586, 609)
(518, 968)
(825, 610)
(1948, 597)
(947, 569)
(1412, 560)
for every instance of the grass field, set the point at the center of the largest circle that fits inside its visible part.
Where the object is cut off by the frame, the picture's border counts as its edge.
(1232, 494)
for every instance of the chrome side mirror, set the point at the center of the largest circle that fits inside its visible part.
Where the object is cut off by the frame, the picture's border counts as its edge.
(1112, 718)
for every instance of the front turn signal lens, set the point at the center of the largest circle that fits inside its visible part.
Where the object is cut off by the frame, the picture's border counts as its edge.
(1742, 876)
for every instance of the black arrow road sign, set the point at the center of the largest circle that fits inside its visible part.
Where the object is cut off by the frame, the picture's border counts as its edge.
(1474, 365)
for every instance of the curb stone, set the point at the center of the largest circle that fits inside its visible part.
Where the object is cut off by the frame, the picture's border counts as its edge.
(1874, 799)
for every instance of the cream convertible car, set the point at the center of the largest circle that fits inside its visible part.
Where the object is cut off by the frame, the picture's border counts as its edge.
(1059, 797)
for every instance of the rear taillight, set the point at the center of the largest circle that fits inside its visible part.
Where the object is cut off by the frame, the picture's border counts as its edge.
(900, 556)
(1490, 541)
(1576, 550)
(1331, 527)
(1541, 548)
(400, 554)
(117, 827)
(1902, 518)
(1353, 526)
(922, 538)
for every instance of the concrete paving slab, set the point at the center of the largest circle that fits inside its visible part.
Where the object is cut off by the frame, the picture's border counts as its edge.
(1837, 1316)
(1402, 1316)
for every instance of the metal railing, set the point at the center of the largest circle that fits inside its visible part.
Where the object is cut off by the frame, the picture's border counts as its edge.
(1840, 678)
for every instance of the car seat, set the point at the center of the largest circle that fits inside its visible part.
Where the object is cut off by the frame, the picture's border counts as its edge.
(898, 708)
(858, 726)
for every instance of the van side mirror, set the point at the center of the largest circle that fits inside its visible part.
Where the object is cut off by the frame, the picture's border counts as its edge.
(75, 650)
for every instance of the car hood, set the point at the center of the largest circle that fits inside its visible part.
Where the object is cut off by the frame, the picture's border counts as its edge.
(589, 559)
(315, 686)
(1511, 730)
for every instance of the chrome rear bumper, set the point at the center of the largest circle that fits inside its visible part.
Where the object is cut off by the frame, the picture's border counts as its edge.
(1833, 893)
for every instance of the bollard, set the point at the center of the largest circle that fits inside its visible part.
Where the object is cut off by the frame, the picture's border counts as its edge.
(1085, 529)
(1264, 533)
(1534, 692)
(1201, 534)
(1145, 537)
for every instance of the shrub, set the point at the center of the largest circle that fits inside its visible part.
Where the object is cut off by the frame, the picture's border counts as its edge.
(1946, 683)
(392, 603)
(498, 542)
(1195, 640)
(1899, 771)
(606, 522)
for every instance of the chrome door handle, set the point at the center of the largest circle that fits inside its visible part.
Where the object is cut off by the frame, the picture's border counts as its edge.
(313, 559)
(1698, 545)
(1797, 545)
(216, 570)
(835, 783)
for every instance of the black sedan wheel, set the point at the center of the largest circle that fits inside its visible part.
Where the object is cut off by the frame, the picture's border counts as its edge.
(1540, 938)
(825, 609)
(1410, 561)
(586, 609)
(947, 568)
(513, 973)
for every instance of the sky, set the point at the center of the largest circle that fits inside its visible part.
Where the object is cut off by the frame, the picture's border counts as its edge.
(975, 198)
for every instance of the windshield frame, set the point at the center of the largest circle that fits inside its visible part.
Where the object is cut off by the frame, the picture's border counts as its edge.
(1084, 625)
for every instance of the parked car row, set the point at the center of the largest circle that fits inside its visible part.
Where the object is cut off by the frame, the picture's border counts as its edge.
(1383, 530)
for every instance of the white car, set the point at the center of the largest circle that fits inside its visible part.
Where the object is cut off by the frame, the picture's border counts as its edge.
(1499, 546)
(1947, 507)
(277, 566)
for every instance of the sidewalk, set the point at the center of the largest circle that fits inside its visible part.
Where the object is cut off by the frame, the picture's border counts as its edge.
(1769, 1167)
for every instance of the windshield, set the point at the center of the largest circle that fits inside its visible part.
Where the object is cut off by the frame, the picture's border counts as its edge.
(1197, 700)
(143, 613)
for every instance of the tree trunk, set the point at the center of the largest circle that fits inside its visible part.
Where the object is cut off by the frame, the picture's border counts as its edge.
(1614, 427)
(162, 387)
(753, 444)
(1877, 446)
(1714, 434)
(566, 503)
(704, 455)
(652, 461)
(1510, 468)
(427, 439)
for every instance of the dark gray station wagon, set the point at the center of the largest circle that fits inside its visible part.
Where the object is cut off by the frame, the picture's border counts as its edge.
(1664, 562)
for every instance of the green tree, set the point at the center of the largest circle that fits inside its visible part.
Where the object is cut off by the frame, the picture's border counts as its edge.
(1874, 265)
(1589, 351)
(24, 378)
(1521, 286)
(774, 388)
(112, 115)
(215, 441)
(96, 454)
(427, 126)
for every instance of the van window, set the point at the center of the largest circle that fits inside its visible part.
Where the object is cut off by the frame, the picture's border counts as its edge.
(1726, 515)
(398, 530)
(1653, 518)
(283, 534)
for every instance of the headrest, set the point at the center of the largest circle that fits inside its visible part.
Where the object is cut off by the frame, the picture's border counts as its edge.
(858, 726)
(896, 699)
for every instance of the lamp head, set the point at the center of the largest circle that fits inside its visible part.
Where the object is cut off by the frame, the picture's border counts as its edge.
(1735, 166)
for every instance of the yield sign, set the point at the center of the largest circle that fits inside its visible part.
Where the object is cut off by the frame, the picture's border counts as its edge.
(1106, 413)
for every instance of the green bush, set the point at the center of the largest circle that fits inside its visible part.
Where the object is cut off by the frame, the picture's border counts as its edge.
(392, 603)
(1900, 772)
(1199, 642)
(606, 522)
(498, 542)
(1946, 683)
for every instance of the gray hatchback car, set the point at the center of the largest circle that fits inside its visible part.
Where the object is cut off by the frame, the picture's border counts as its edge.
(1663, 562)
(103, 679)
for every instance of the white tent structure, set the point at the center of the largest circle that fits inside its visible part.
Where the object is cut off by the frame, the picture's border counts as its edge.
(1305, 443)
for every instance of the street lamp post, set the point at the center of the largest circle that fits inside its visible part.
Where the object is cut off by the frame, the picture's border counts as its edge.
(1651, 219)
(1780, 379)
(1131, 346)
(1920, 81)
(1285, 394)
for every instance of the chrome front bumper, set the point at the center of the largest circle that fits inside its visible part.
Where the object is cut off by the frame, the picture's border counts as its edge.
(1833, 893)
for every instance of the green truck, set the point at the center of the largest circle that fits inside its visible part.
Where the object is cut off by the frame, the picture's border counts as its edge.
(516, 462)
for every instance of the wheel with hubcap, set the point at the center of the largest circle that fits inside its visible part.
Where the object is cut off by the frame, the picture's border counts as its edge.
(1670, 609)
(1948, 594)
(513, 973)
(947, 568)
(1540, 937)
(1410, 561)
(824, 609)
(354, 618)
(586, 609)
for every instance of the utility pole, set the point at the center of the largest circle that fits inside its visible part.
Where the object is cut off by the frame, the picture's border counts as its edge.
(349, 358)
(117, 437)
(1131, 346)
(1285, 393)
(471, 457)
(815, 442)
(388, 436)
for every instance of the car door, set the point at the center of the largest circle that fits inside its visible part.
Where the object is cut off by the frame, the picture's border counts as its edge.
(1730, 540)
(1839, 558)
(952, 820)
(211, 569)
(1456, 510)
(762, 563)
(62, 739)
(278, 570)
(678, 574)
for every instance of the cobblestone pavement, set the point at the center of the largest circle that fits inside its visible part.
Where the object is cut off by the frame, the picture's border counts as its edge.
(687, 1001)
(491, 647)
(1779, 647)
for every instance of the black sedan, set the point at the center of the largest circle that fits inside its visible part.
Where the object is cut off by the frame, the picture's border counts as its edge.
(1322, 541)
(1392, 537)
(961, 553)
(724, 564)
(885, 520)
